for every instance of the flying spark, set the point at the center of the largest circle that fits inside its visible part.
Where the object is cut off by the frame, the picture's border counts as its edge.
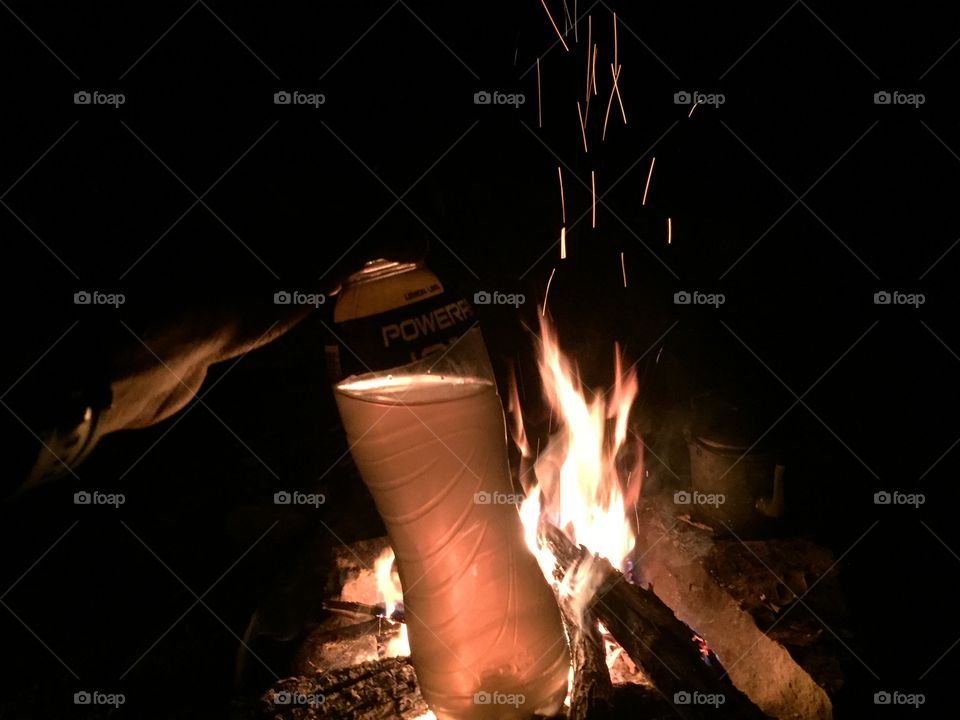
(593, 188)
(669, 231)
(546, 293)
(649, 175)
(615, 63)
(583, 127)
(623, 268)
(563, 205)
(614, 90)
(539, 114)
(559, 35)
(593, 70)
(616, 86)
(589, 53)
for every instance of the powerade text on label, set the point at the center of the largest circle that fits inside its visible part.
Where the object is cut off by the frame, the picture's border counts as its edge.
(390, 314)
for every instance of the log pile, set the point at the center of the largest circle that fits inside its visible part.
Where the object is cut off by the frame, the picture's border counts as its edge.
(666, 649)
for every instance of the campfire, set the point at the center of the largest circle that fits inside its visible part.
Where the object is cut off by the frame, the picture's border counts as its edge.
(580, 521)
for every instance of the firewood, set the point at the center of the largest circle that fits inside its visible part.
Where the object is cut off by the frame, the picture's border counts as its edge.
(379, 690)
(592, 694)
(335, 646)
(663, 646)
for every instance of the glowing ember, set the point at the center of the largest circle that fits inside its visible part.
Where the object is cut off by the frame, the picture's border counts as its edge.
(390, 593)
(704, 649)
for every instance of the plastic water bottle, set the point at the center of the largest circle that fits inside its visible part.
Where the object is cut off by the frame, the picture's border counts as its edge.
(429, 440)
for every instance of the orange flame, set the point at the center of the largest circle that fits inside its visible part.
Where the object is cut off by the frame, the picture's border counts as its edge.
(513, 410)
(578, 486)
(391, 595)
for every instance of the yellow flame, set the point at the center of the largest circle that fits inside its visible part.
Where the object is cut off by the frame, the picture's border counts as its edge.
(388, 581)
(391, 595)
(578, 487)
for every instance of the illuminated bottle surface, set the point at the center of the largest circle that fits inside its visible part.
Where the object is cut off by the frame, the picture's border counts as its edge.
(485, 633)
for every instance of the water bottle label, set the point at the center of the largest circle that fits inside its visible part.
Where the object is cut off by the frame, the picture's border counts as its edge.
(400, 336)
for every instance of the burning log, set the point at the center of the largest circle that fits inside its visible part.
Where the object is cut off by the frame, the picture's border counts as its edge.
(667, 649)
(379, 690)
(592, 693)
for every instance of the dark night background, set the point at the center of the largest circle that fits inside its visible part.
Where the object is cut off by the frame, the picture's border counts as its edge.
(97, 198)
